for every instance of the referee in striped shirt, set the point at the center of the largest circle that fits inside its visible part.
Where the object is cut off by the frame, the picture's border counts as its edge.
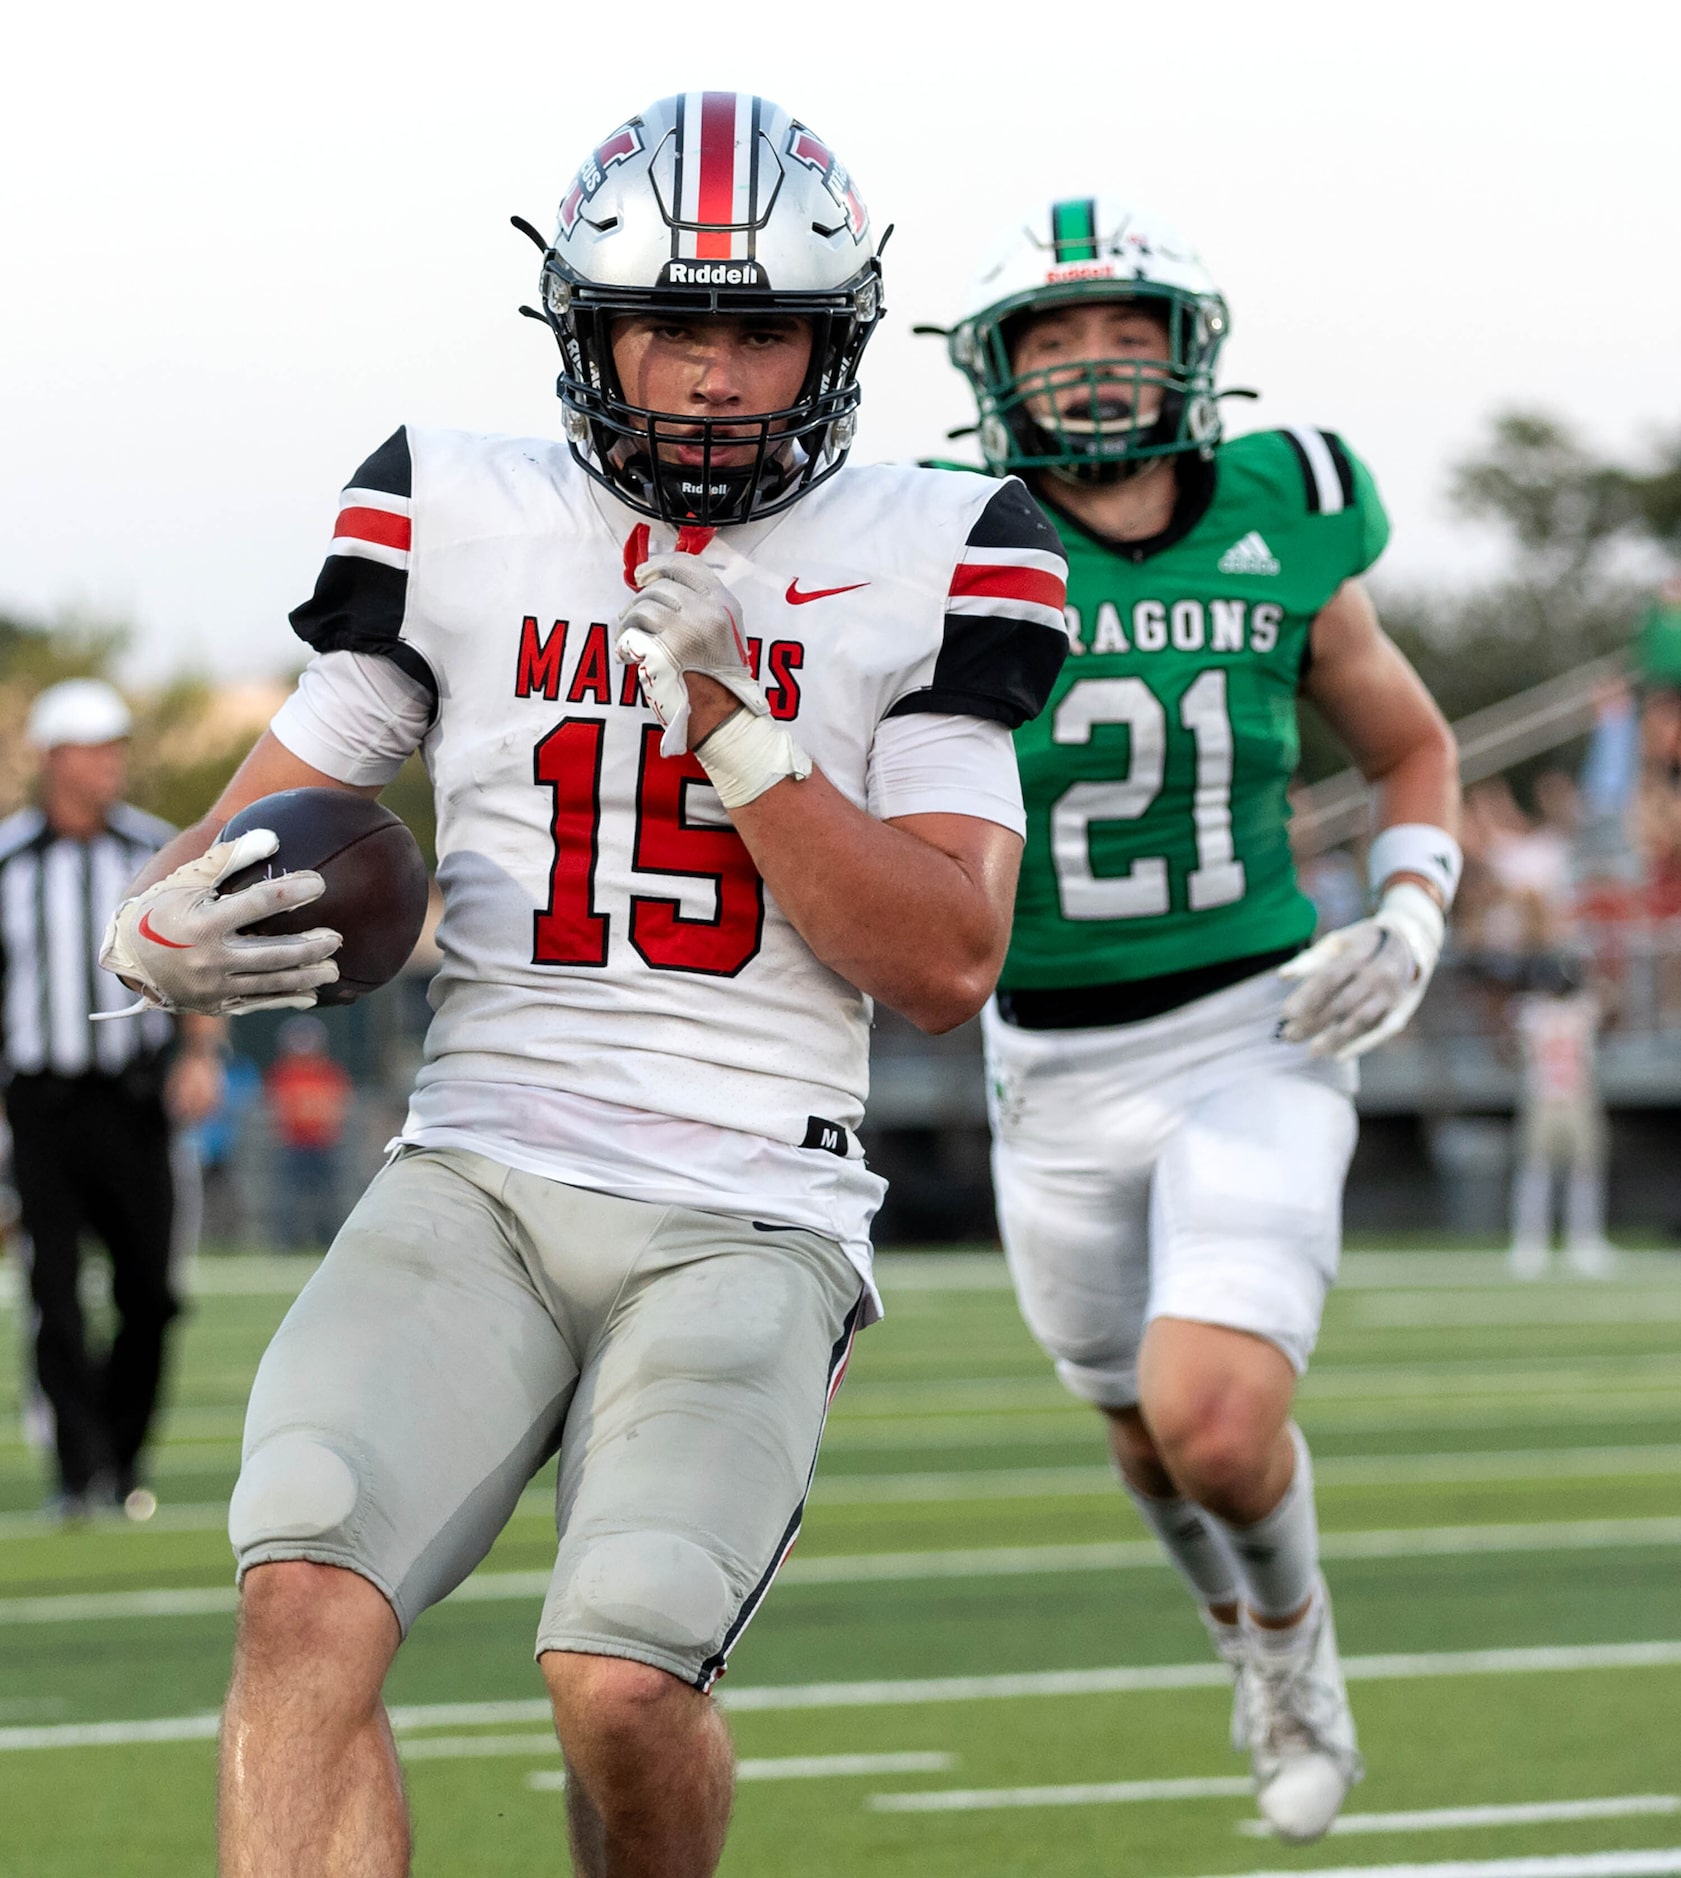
(91, 1106)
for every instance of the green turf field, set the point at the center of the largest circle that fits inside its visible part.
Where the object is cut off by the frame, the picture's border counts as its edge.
(974, 1664)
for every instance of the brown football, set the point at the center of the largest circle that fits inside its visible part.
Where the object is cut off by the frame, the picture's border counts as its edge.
(376, 880)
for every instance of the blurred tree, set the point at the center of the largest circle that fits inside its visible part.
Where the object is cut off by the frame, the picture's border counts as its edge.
(1566, 594)
(409, 794)
(1562, 509)
(186, 743)
(32, 657)
(1658, 496)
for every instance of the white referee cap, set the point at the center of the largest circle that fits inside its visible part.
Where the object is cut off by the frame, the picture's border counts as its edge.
(80, 710)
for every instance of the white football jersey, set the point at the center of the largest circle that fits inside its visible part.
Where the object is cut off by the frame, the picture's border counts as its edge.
(605, 932)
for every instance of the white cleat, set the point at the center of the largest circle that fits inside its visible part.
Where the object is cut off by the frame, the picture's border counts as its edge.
(1592, 1258)
(1526, 1260)
(1299, 1726)
(1233, 1651)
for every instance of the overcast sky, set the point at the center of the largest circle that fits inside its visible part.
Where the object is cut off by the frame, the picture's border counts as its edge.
(240, 245)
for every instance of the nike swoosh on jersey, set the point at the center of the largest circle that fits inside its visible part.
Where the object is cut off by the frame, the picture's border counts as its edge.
(147, 930)
(795, 598)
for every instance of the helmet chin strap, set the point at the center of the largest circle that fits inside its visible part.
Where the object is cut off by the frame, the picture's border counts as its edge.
(1101, 474)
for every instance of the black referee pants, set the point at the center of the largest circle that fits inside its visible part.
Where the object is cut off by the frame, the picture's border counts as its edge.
(91, 1153)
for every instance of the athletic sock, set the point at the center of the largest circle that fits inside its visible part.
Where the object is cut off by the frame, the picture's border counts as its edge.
(1191, 1539)
(1271, 1644)
(1278, 1557)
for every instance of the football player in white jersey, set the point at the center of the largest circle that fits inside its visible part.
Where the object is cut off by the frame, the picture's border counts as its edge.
(720, 737)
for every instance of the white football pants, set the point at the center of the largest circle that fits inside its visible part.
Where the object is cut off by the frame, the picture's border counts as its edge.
(1188, 1166)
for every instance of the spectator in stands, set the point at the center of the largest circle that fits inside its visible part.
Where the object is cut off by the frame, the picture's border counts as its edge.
(1514, 884)
(309, 1097)
(1609, 779)
(218, 1138)
(1562, 1126)
(1657, 645)
(1658, 800)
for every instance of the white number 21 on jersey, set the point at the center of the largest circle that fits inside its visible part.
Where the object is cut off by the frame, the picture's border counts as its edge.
(1143, 890)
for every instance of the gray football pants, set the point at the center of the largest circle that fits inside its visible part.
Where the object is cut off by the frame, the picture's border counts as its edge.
(469, 1321)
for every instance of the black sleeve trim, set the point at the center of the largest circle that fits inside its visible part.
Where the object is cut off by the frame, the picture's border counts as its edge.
(390, 469)
(1000, 669)
(414, 665)
(938, 701)
(1345, 467)
(1310, 482)
(357, 606)
(1012, 519)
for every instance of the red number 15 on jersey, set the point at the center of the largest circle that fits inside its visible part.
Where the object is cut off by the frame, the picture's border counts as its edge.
(570, 931)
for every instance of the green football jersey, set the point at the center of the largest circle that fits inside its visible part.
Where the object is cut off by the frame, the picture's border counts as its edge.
(1155, 778)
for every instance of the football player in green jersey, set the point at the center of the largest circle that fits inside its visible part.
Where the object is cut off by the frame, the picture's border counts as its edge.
(1170, 1062)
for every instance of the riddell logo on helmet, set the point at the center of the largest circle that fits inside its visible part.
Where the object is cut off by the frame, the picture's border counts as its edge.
(712, 274)
(1084, 270)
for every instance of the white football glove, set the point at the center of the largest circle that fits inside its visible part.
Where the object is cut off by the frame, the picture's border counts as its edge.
(684, 619)
(1361, 984)
(179, 943)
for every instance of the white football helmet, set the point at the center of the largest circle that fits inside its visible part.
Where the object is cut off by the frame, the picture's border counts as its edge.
(707, 203)
(1092, 248)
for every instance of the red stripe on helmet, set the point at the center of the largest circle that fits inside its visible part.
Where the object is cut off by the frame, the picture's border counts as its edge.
(715, 203)
(376, 525)
(973, 581)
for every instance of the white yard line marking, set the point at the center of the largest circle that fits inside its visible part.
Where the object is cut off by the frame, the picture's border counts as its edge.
(479, 1747)
(1532, 1813)
(1112, 1793)
(1168, 1676)
(78, 1607)
(1144, 1554)
(1352, 1470)
(1481, 1271)
(1587, 1535)
(1382, 1470)
(828, 1695)
(797, 1767)
(1075, 1431)
(407, 1717)
(257, 1275)
(1515, 1309)
(121, 1734)
(1659, 1864)
(1468, 1377)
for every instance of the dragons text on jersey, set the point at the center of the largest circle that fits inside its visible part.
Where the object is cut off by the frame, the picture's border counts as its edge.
(1155, 782)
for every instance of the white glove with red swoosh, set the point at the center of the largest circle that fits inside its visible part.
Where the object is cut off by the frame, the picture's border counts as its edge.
(179, 943)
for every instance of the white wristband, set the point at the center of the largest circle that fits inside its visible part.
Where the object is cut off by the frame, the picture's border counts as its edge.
(748, 754)
(1416, 848)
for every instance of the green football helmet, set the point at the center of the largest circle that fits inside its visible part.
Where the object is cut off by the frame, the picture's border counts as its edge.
(1082, 419)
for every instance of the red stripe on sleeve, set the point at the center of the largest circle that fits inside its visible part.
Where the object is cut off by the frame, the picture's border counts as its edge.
(976, 581)
(376, 525)
(715, 201)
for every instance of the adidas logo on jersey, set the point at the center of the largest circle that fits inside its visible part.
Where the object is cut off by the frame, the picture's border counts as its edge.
(1251, 555)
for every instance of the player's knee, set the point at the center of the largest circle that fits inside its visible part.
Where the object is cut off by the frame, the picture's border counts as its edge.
(303, 1610)
(654, 1588)
(292, 1487)
(616, 1702)
(1136, 1455)
(1217, 1451)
